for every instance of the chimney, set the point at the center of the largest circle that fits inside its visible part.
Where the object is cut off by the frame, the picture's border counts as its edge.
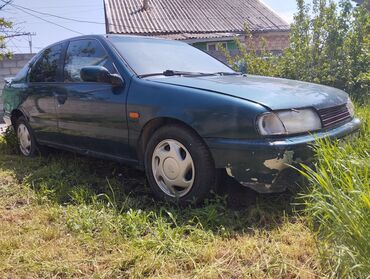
(145, 5)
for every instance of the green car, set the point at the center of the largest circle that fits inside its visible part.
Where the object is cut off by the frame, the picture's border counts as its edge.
(173, 110)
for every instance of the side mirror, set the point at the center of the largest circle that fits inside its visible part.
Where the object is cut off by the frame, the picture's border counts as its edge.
(241, 67)
(100, 74)
(8, 80)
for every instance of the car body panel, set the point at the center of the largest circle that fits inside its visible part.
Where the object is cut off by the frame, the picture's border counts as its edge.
(92, 116)
(275, 93)
(40, 108)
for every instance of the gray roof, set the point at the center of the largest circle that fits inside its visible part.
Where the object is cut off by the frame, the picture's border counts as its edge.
(190, 17)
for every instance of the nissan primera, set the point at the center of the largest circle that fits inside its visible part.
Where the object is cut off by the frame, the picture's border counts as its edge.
(173, 110)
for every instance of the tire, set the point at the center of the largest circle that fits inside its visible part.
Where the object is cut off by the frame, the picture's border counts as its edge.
(179, 166)
(27, 144)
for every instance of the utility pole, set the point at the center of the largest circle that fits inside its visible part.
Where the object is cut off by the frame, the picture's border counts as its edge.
(30, 40)
(29, 34)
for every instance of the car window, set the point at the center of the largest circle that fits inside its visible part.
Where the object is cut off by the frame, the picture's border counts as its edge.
(82, 53)
(47, 66)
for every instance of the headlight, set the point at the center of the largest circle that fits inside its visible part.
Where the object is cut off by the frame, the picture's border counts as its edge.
(350, 107)
(288, 122)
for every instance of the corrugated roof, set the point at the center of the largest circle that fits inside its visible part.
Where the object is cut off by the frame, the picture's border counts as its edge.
(190, 16)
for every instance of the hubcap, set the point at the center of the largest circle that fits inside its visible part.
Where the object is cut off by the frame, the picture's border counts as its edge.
(173, 168)
(24, 139)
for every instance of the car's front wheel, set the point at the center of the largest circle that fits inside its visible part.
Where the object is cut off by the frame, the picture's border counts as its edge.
(26, 140)
(178, 165)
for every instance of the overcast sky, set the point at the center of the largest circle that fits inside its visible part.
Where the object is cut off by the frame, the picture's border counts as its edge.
(92, 10)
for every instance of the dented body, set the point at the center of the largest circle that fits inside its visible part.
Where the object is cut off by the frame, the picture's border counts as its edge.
(260, 163)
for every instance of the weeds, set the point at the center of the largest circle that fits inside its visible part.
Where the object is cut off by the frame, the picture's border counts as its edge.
(339, 202)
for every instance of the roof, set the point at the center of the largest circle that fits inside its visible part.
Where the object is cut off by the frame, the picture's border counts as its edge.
(190, 17)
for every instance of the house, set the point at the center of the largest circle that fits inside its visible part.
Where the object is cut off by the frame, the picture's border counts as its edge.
(202, 23)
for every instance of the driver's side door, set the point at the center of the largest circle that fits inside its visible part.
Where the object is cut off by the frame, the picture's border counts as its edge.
(91, 115)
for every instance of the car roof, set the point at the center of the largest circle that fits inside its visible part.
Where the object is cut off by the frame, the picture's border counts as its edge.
(104, 36)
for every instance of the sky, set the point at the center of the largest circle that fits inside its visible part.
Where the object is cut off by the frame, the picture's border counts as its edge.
(91, 10)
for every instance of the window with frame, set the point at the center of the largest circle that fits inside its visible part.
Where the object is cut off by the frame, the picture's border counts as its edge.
(83, 53)
(46, 68)
(215, 46)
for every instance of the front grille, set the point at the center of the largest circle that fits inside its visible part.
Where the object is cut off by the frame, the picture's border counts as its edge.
(334, 115)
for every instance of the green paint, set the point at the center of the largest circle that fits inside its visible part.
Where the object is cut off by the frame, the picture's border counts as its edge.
(231, 45)
(200, 45)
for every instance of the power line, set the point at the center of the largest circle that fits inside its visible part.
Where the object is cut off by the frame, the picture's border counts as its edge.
(77, 20)
(48, 21)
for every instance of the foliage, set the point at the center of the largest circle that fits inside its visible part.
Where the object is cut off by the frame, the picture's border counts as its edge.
(339, 201)
(8, 142)
(329, 44)
(4, 27)
(258, 62)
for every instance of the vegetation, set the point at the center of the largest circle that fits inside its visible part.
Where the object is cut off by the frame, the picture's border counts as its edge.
(338, 202)
(330, 44)
(5, 26)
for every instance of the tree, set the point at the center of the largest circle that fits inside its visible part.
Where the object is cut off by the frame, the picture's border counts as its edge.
(329, 44)
(5, 26)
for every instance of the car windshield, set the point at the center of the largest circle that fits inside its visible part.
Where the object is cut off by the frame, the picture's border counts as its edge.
(148, 56)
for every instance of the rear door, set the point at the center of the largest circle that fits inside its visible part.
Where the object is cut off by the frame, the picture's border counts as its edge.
(45, 81)
(91, 115)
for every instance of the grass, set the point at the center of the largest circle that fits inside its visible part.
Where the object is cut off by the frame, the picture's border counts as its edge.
(66, 216)
(339, 202)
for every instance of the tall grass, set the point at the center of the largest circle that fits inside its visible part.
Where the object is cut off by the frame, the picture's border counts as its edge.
(339, 202)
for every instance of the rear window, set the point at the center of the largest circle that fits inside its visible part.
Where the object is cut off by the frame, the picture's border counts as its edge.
(47, 67)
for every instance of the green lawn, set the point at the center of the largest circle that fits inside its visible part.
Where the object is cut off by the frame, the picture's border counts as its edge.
(63, 216)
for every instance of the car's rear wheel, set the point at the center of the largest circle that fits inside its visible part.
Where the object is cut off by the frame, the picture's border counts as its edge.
(178, 165)
(26, 140)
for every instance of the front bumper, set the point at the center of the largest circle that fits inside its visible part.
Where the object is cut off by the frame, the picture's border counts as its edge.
(260, 163)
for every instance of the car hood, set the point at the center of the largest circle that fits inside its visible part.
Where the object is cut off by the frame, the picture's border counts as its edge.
(275, 93)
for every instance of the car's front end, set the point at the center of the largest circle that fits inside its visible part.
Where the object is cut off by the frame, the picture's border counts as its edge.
(264, 164)
(286, 140)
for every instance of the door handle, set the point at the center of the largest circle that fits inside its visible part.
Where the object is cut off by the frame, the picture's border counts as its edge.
(61, 98)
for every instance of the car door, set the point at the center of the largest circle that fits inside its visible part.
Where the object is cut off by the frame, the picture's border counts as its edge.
(44, 80)
(91, 115)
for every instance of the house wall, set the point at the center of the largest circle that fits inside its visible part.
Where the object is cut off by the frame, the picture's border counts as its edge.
(275, 42)
(231, 46)
(9, 68)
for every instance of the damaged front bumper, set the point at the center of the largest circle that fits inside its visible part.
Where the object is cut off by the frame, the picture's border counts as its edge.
(261, 163)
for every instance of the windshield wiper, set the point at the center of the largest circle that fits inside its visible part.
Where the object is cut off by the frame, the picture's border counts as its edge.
(170, 73)
(227, 73)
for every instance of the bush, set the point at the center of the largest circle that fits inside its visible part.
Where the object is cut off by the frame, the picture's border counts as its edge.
(8, 142)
